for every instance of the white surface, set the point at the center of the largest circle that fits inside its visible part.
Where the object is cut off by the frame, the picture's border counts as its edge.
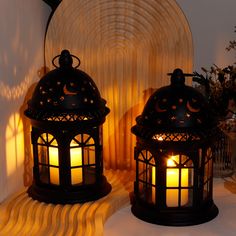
(123, 223)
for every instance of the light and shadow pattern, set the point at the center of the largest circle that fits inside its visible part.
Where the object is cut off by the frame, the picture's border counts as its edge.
(20, 215)
(127, 47)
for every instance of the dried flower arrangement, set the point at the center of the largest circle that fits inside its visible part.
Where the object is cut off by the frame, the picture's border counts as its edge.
(219, 86)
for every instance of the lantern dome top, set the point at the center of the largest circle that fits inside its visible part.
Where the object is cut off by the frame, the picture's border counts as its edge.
(174, 108)
(66, 94)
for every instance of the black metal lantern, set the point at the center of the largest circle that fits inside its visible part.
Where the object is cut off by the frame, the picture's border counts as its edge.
(67, 113)
(173, 155)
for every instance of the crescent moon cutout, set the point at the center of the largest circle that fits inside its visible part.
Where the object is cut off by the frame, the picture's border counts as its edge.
(158, 109)
(67, 92)
(190, 108)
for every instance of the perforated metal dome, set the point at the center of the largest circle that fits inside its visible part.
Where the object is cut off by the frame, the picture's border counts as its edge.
(66, 94)
(175, 108)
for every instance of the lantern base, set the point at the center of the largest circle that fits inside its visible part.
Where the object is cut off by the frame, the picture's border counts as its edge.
(77, 194)
(175, 216)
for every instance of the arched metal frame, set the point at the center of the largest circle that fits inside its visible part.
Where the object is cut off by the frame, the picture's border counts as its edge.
(148, 179)
(173, 194)
(47, 159)
(173, 154)
(83, 169)
(67, 164)
(82, 166)
(67, 113)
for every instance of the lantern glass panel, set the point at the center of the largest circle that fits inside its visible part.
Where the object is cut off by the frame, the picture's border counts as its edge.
(179, 181)
(88, 139)
(89, 155)
(82, 159)
(76, 165)
(43, 164)
(147, 177)
(200, 157)
(48, 159)
(89, 150)
(207, 173)
(54, 165)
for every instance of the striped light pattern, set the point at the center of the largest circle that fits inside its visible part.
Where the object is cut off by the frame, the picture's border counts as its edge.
(20, 215)
(127, 47)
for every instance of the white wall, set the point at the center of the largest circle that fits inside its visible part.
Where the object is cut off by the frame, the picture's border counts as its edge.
(22, 29)
(212, 24)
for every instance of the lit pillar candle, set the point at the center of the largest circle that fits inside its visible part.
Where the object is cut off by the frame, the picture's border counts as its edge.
(76, 160)
(54, 160)
(172, 180)
(154, 183)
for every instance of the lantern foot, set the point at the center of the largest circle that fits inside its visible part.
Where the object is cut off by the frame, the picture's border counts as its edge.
(174, 217)
(60, 195)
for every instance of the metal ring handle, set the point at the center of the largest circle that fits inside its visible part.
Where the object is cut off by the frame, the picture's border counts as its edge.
(184, 74)
(53, 61)
(77, 60)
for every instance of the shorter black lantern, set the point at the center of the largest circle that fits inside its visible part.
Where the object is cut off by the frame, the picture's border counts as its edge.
(173, 154)
(67, 113)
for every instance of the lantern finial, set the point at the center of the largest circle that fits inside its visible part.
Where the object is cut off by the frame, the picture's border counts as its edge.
(65, 58)
(177, 77)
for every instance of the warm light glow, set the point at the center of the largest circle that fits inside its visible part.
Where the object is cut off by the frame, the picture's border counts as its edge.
(14, 146)
(53, 160)
(15, 92)
(172, 180)
(154, 183)
(121, 60)
(159, 137)
(76, 160)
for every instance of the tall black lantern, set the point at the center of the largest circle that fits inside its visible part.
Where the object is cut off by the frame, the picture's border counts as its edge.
(67, 113)
(173, 157)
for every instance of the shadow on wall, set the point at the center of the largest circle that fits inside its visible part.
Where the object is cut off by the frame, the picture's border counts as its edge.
(28, 152)
(122, 157)
(18, 151)
(22, 27)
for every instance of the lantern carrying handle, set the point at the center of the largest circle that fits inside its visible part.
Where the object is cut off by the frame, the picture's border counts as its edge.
(184, 74)
(71, 55)
(178, 77)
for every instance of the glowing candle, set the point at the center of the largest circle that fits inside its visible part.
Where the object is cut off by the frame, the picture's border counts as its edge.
(154, 183)
(172, 180)
(53, 160)
(76, 160)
